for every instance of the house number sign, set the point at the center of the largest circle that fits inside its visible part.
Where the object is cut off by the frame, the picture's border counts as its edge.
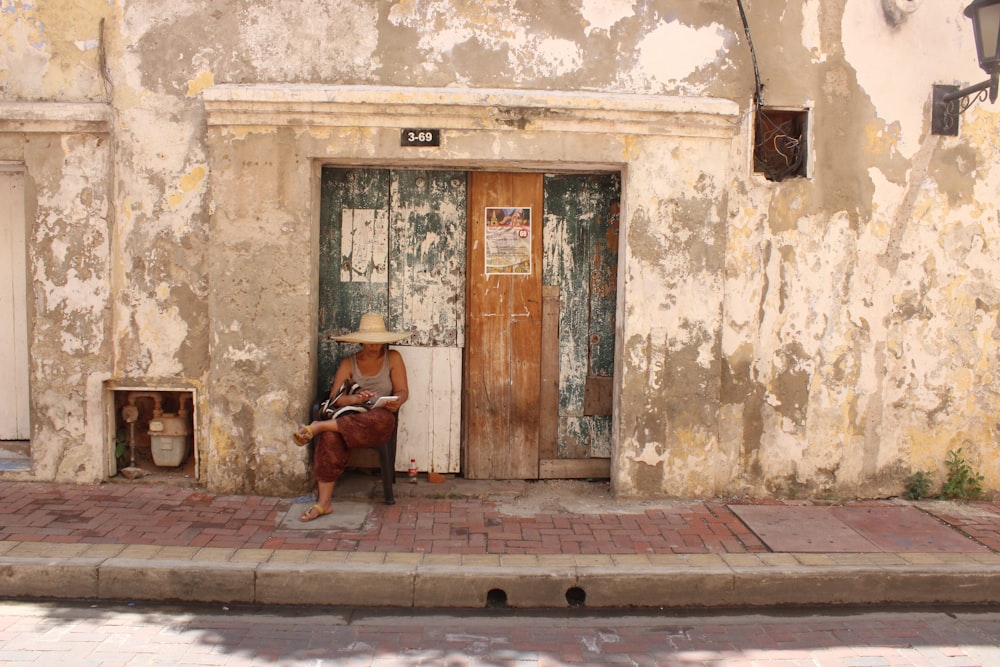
(420, 137)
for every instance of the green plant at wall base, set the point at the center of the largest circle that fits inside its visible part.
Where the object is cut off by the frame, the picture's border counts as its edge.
(120, 444)
(961, 482)
(918, 485)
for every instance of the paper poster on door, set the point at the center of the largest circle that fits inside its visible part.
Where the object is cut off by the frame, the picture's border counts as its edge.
(508, 240)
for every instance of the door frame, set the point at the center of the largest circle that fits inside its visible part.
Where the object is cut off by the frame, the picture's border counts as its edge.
(538, 438)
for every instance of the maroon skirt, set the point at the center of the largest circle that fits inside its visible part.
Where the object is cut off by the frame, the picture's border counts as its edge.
(357, 430)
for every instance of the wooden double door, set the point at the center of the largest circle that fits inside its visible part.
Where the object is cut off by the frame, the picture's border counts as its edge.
(503, 326)
(533, 313)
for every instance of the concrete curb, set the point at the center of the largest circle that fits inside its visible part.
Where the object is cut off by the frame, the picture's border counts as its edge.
(527, 582)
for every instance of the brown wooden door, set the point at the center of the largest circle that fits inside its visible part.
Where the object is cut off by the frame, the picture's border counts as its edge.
(504, 326)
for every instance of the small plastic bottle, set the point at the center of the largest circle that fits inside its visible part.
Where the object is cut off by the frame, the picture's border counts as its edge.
(412, 473)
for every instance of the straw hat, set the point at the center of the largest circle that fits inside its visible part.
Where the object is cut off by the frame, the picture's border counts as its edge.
(372, 330)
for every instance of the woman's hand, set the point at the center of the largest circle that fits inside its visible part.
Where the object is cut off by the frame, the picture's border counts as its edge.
(363, 397)
(392, 406)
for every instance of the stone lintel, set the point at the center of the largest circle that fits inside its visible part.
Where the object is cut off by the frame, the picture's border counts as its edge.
(55, 117)
(469, 109)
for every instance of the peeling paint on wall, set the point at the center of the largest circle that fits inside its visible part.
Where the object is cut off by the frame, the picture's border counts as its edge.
(605, 14)
(672, 52)
(900, 94)
(823, 335)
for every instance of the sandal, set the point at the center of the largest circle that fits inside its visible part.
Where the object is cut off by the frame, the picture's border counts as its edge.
(303, 436)
(314, 512)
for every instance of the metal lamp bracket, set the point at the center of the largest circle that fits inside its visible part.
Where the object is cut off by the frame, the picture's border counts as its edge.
(950, 101)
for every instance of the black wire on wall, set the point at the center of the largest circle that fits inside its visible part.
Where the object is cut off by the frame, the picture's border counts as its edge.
(779, 145)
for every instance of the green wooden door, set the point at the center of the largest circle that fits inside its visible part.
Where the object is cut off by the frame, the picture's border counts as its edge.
(580, 274)
(393, 242)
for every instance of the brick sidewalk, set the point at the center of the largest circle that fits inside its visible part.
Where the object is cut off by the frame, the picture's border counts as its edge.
(977, 520)
(156, 514)
(469, 544)
(172, 516)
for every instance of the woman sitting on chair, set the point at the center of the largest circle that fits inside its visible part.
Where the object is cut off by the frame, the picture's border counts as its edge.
(378, 371)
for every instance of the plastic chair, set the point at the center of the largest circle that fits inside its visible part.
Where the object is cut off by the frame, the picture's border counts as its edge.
(386, 456)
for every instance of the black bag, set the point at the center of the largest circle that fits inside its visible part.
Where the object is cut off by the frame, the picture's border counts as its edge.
(328, 408)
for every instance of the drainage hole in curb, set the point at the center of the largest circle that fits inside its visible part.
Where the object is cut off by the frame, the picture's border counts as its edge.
(576, 596)
(496, 599)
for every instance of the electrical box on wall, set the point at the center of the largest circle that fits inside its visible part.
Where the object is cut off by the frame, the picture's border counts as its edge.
(153, 434)
(781, 143)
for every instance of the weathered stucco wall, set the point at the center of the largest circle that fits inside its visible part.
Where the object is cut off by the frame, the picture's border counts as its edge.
(671, 334)
(65, 153)
(262, 307)
(826, 335)
(861, 311)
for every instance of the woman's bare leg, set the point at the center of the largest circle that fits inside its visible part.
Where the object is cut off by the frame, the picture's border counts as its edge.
(307, 433)
(320, 426)
(324, 498)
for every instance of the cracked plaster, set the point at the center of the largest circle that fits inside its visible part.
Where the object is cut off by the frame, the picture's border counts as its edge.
(839, 332)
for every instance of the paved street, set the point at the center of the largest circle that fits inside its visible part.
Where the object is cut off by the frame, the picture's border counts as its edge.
(103, 635)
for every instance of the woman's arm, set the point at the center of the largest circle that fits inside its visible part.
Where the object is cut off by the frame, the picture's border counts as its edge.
(342, 375)
(397, 373)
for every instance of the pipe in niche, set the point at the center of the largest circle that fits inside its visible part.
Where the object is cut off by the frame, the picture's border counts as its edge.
(133, 396)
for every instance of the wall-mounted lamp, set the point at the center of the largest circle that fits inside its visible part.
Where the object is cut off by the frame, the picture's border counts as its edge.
(949, 101)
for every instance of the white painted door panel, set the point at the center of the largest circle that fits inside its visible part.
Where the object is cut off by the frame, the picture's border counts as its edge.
(13, 310)
(430, 422)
